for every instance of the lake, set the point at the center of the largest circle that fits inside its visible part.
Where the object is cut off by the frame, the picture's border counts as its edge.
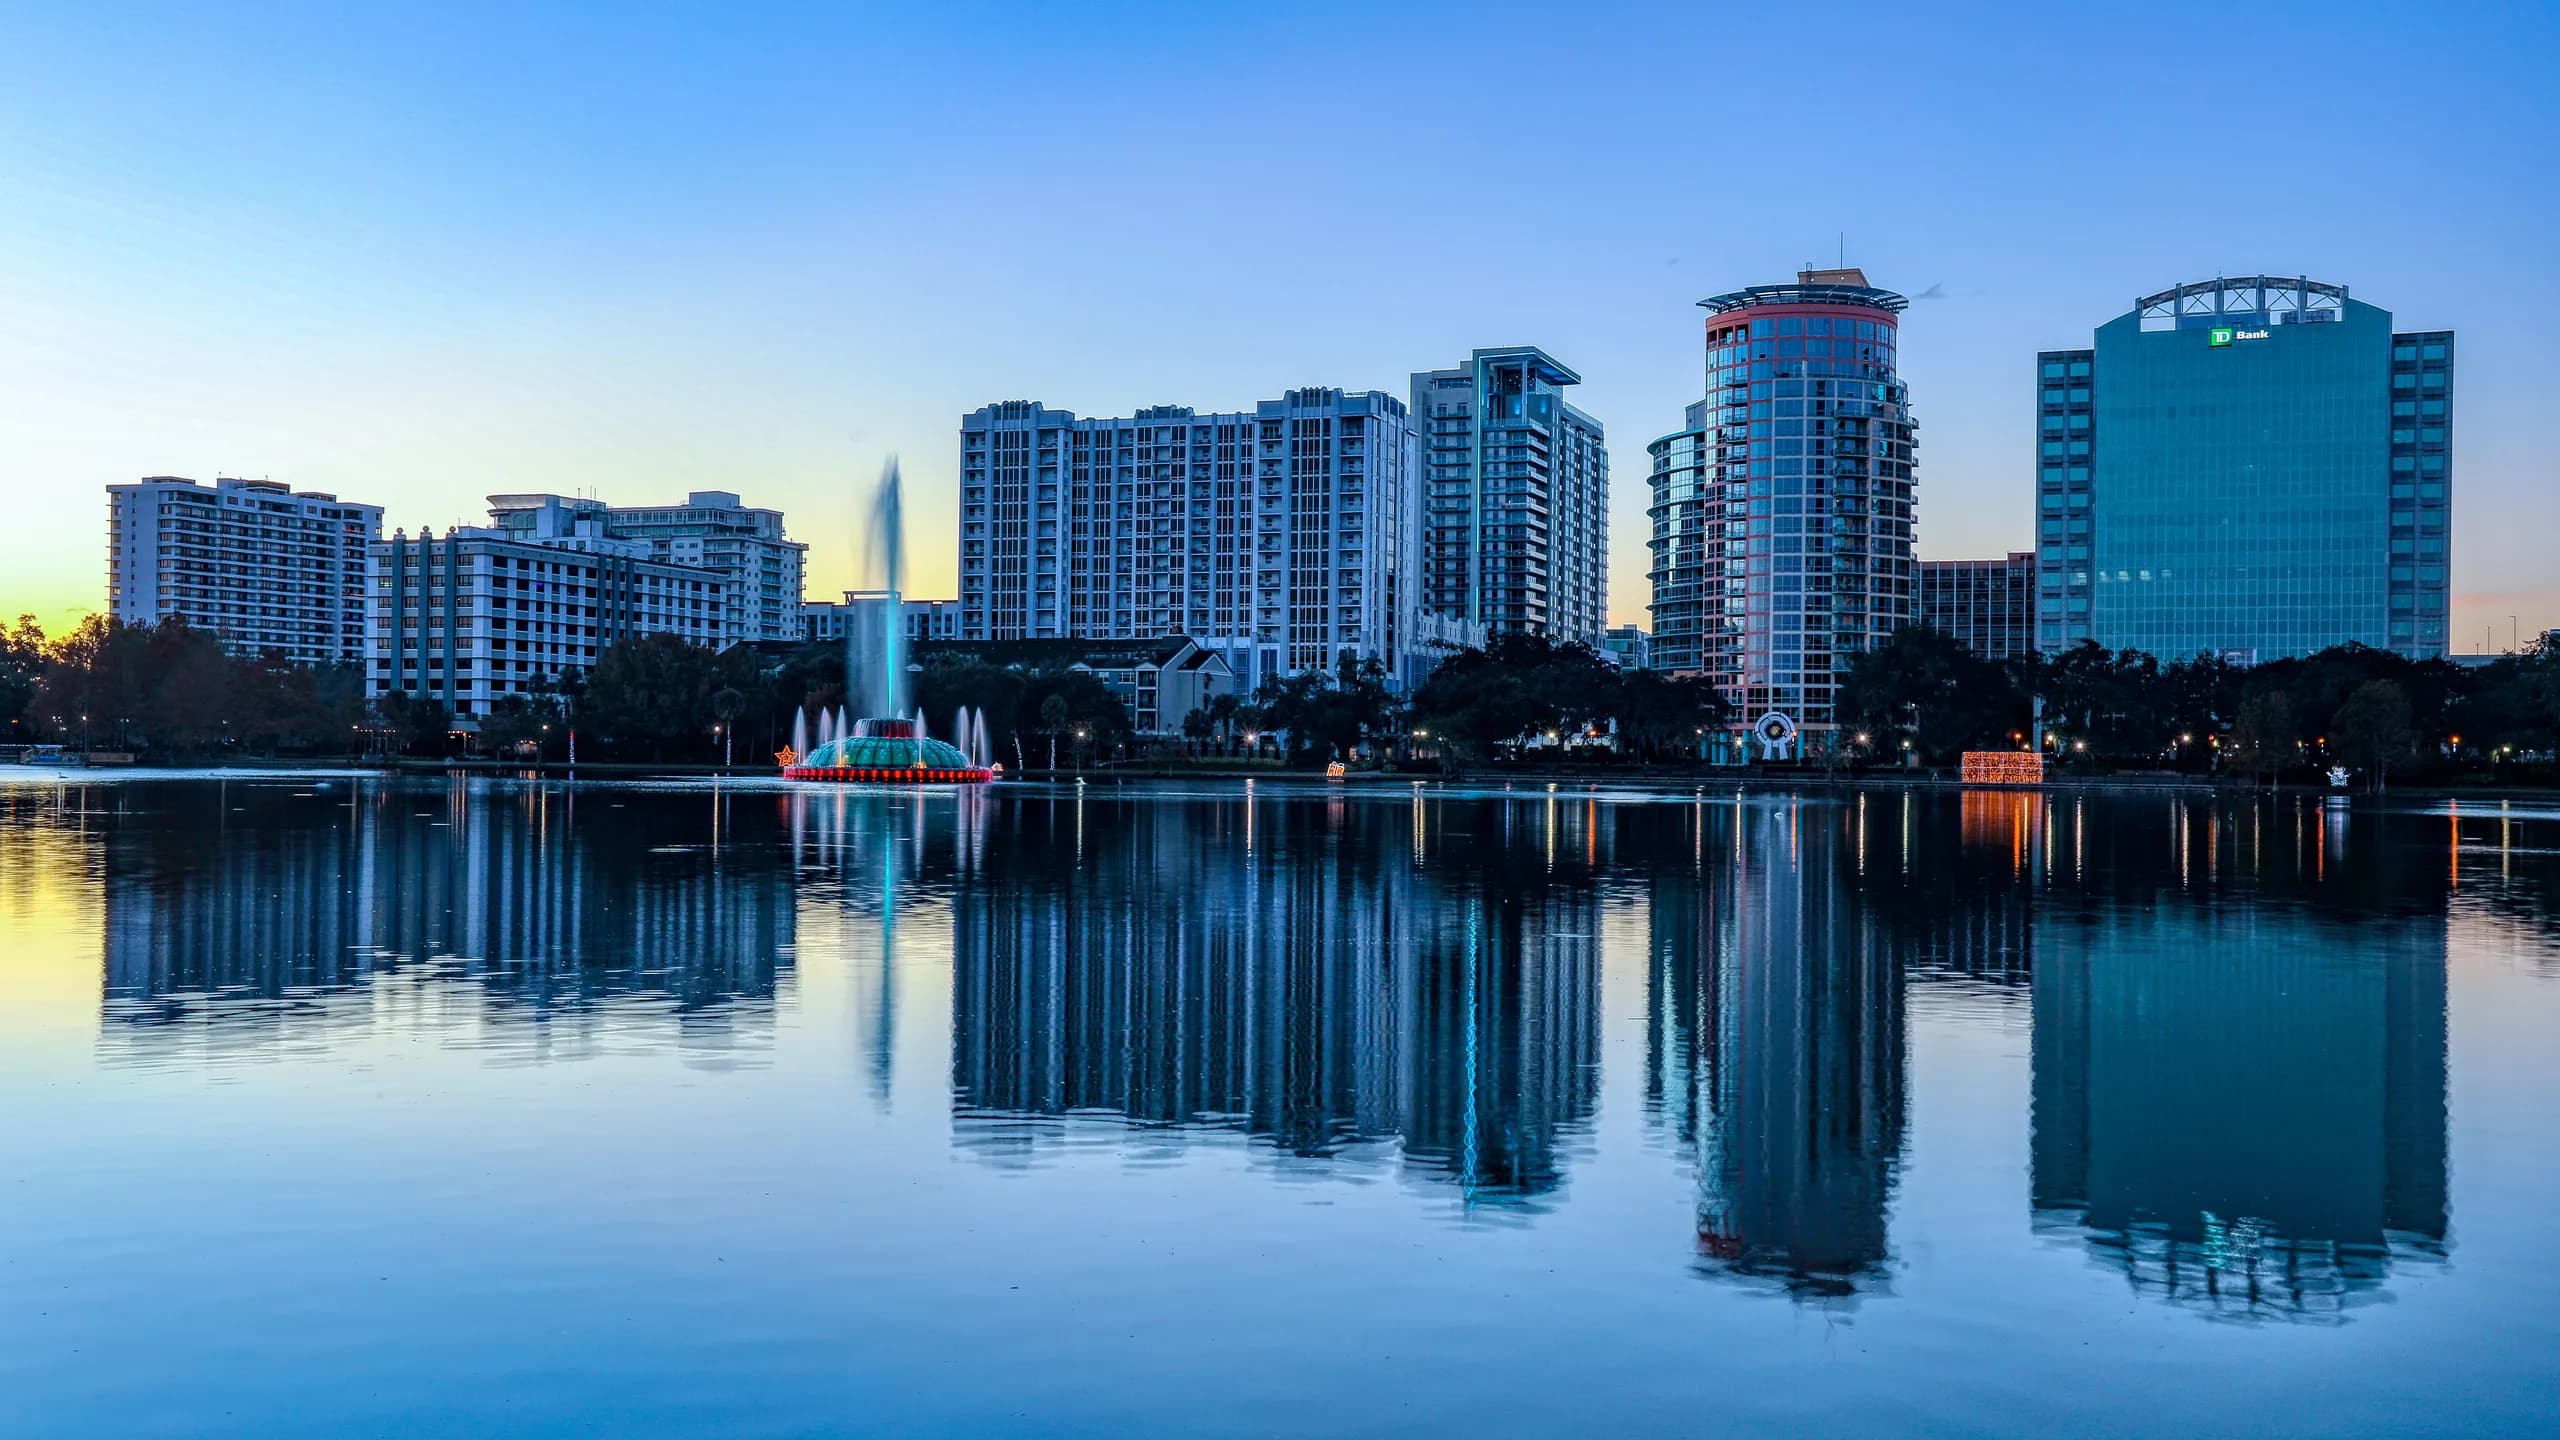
(334, 1105)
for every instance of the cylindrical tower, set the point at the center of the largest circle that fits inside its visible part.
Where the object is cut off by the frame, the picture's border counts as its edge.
(1805, 479)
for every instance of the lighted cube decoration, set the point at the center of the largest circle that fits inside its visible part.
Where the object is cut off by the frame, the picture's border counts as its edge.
(2002, 767)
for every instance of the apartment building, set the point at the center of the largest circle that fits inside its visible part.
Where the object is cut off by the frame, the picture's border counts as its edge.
(1277, 537)
(484, 613)
(760, 565)
(263, 566)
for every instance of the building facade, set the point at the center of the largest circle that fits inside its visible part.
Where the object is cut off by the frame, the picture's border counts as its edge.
(2255, 468)
(924, 619)
(1628, 646)
(485, 613)
(1515, 497)
(258, 564)
(825, 619)
(1783, 512)
(1989, 605)
(1277, 537)
(1161, 682)
(1687, 570)
(931, 619)
(761, 567)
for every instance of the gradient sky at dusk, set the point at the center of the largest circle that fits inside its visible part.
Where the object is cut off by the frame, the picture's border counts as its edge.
(420, 255)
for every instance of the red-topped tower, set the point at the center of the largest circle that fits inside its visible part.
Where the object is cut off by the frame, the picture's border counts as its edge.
(1803, 488)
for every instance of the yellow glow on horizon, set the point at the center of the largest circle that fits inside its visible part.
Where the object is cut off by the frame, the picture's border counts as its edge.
(52, 974)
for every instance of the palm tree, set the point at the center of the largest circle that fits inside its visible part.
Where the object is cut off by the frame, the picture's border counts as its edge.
(1053, 718)
(726, 703)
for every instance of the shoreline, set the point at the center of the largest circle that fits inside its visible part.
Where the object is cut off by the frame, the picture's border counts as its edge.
(1652, 781)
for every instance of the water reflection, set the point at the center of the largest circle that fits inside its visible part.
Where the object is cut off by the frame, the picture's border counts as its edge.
(1352, 982)
(2239, 1059)
(2233, 1010)
(250, 910)
(1778, 1047)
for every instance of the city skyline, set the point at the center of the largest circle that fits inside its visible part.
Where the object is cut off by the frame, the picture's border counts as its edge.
(380, 282)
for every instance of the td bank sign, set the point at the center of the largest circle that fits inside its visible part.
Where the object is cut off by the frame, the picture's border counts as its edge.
(2221, 335)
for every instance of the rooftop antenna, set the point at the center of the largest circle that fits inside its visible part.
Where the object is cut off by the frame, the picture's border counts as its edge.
(1844, 249)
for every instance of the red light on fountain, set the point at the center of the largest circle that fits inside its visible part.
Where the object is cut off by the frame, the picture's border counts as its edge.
(888, 751)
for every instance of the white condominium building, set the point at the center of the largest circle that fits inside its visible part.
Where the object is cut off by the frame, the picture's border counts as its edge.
(485, 613)
(264, 567)
(743, 545)
(1515, 497)
(1276, 537)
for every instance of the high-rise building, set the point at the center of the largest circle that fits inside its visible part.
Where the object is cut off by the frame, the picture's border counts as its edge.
(1276, 537)
(2255, 467)
(1688, 530)
(262, 566)
(1515, 497)
(1990, 605)
(745, 546)
(487, 613)
(1782, 513)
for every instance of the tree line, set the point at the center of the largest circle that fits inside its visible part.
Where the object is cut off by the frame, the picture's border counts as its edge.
(2371, 710)
(174, 692)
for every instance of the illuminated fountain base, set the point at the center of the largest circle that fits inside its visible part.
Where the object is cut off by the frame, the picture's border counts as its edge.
(887, 752)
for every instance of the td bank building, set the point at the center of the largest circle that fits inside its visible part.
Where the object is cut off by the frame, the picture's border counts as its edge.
(2255, 468)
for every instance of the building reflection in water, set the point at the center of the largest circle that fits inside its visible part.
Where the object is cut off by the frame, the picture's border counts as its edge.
(1358, 982)
(1776, 1044)
(273, 909)
(2238, 1005)
(2239, 1054)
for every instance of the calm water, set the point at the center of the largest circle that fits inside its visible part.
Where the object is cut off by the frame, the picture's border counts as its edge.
(332, 1107)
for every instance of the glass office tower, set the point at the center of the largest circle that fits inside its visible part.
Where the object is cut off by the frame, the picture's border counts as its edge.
(1798, 465)
(2255, 468)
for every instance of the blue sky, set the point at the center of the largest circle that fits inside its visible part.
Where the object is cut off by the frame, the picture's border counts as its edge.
(425, 254)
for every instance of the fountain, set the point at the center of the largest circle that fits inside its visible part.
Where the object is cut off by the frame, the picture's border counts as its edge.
(885, 744)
